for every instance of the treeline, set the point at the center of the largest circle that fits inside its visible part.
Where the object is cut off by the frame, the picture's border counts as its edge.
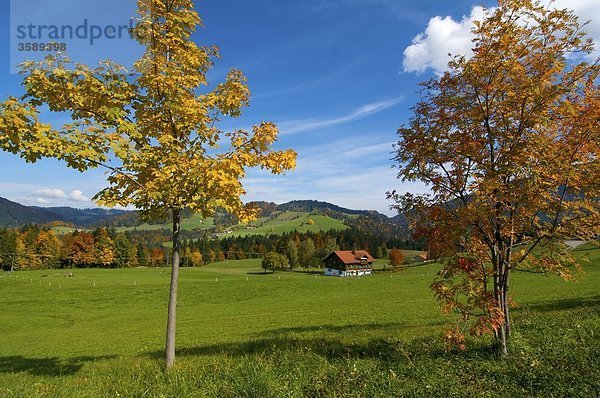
(32, 247)
(302, 249)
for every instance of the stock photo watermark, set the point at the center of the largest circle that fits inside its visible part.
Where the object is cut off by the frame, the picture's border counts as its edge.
(86, 30)
(52, 37)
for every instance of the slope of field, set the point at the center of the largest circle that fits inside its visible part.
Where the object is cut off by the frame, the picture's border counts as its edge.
(287, 222)
(284, 222)
(242, 333)
(196, 221)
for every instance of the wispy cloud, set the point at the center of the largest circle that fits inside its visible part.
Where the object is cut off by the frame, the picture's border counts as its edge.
(312, 83)
(296, 126)
(405, 10)
(353, 172)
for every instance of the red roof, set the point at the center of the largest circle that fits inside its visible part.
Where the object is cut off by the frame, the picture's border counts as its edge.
(353, 256)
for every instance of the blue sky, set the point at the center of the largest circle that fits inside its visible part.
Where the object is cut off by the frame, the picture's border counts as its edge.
(337, 76)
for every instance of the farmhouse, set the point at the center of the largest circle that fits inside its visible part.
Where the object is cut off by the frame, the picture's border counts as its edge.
(421, 258)
(348, 263)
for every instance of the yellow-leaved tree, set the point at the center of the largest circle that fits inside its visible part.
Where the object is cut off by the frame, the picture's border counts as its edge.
(154, 128)
(509, 143)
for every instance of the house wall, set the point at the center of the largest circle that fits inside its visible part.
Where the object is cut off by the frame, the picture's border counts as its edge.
(349, 273)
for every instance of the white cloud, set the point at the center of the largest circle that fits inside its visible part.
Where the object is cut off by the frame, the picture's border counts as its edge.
(444, 35)
(42, 201)
(586, 10)
(296, 126)
(78, 196)
(53, 193)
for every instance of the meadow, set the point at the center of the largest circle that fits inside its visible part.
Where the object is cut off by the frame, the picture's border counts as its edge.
(241, 333)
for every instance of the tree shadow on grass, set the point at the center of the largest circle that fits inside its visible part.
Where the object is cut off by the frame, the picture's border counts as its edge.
(53, 366)
(288, 340)
(592, 303)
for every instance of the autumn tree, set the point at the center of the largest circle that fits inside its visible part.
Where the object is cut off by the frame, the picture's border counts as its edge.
(396, 258)
(105, 249)
(508, 142)
(80, 250)
(48, 248)
(21, 256)
(155, 129)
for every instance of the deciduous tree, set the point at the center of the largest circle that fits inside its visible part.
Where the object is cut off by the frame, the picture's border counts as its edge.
(79, 249)
(273, 261)
(508, 142)
(396, 259)
(158, 123)
(105, 248)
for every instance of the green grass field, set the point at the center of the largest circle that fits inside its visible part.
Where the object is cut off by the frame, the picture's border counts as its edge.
(287, 222)
(290, 334)
(284, 222)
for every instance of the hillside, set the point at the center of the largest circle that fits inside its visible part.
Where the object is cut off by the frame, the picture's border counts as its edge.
(299, 215)
(288, 221)
(83, 217)
(13, 214)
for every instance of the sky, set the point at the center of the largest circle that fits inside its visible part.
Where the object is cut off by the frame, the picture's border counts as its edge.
(338, 77)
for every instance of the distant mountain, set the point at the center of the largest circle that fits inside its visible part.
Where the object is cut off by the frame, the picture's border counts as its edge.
(326, 208)
(13, 214)
(83, 217)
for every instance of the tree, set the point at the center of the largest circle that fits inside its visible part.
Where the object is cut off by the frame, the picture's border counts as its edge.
(508, 143)
(197, 259)
(396, 259)
(104, 247)
(159, 125)
(48, 249)
(211, 257)
(292, 253)
(143, 254)
(21, 255)
(125, 251)
(306, 252)
(8, 241)
(79, 249)
(273, 261)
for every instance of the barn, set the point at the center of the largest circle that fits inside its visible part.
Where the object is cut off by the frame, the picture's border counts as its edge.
(348, 263)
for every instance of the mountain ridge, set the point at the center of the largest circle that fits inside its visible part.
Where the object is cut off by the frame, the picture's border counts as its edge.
(13, 214)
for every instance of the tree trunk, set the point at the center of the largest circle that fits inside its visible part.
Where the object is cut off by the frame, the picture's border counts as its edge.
(504, 331)
(171, 316)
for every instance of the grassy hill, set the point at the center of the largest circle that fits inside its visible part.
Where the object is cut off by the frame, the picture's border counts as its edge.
(245, 334)
(283, 222)
(287, 222)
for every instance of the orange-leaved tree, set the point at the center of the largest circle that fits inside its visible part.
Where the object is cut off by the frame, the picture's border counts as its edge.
(154, 129)
(508, 141)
